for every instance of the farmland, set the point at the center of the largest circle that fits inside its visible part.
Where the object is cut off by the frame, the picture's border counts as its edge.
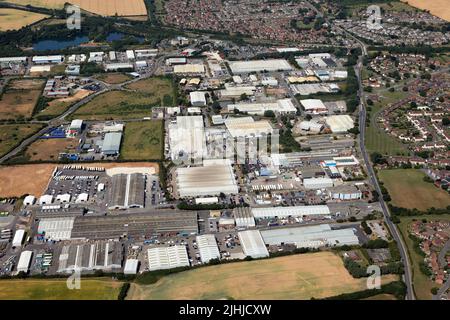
(101, 7)
(19, 99)
(303, 276)
(16, 179)
(421, 283)
(134, 103)
(12, 19)
(439, 8)
(56, 289)
(143, 141)
(12, 134)
(408, 190)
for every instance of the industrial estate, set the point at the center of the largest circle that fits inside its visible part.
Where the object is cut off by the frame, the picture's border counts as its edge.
(174, 149)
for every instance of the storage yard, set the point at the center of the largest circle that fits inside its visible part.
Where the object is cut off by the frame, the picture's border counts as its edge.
(317, 275)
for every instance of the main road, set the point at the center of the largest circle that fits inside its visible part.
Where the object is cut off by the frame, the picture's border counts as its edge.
(387, 216)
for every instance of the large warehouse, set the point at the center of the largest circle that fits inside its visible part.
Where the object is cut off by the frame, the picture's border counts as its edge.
(213, 178)
(282, 106)
(189, 68)
(311, 236)
(135, 225)
(314, 106)
(167, 257)
(253, 244)
(243, 217)
(259, 65)
(127, 191)
(317, 183)
(111, 143)
(98, 255)
(198, 98)
(187, 138)
(340, 123)
(56, 228)
(283, 212)
(207, 246)
(247, 127)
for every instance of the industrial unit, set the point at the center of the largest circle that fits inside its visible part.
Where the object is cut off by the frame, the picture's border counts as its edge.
(284, 212)
(243, 217)
(167, 257)
(247, 127)
(259, 66)
(211, 179)
(283, 106)
(127, 191)
(187, 138)
(111, 143)
(253, 244)
(311, 236)
(207, 245)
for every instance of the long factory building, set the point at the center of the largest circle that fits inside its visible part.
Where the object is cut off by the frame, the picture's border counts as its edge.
(116, 226)
(127, 191)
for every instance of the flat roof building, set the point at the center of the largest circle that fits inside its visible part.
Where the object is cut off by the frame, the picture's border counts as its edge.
(211, 179)
(47, 59)
(127, 191)
(247, 127)
(18, 238)
(189, 68)
(310, 236)
(243, 217)
(131, 266)
(314, 106)
(284, 212)
(111, 143)
(198, 98)
(167, 257)
(259, 66)
(253, 244)
(207, 246)
(317, 183)
(24, 261)
(282, 106)
(340, 123)
(56, 228)
(187, 138)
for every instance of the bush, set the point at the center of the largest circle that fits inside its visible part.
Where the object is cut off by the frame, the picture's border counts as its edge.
(376, 244)
(123, 291)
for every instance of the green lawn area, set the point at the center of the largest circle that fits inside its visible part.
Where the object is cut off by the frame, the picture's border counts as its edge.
(143, 141)
(378, 140)
(12, 134)
(134, 103)
(421, 283)
(408, 190)
(56, 289)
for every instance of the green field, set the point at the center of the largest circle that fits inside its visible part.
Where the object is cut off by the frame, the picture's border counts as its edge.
(134, 103)
(408, 190)
(56, 289)
(421, 283)
(300, 276)
(12, 134)
(143, 141)
(377, 140)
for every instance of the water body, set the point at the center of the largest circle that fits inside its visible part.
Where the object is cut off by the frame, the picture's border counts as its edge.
(44, 45)
(54, 44)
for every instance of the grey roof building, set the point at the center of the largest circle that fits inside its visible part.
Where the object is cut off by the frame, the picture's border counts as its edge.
(111, 143)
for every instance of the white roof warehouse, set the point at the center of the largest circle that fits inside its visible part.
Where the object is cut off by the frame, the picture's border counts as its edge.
(297, 211)
(259, 65)
(210, 179)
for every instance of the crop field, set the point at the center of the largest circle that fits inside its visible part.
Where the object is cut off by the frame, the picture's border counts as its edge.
(439, 8)
(56, 107)
(49, 149)
(12, 19)
(12, 134)
(408, 190)
(302, 276)
(421, 283)
(134, 103)
(113, 78)
(100, 7)
(16, 180)
(19, 99)
(143, 141)
(56, 289)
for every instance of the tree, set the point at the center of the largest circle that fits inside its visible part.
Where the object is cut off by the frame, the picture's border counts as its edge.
(244, 97)
(445, 121)
(269, 114)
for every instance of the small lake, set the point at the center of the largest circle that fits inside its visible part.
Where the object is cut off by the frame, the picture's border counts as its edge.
(49, 44)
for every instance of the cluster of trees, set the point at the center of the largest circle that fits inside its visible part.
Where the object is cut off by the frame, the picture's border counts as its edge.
(376, 244)
(355, 269)
(123, 291)
(366, 228)
(396, 288)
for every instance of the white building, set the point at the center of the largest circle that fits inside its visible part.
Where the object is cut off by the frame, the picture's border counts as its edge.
(247, 127)
(167, 257)
(56, 228)
(198, 98)
(130, 54)
(131, 266)
(207, 200)
(18, 238)
(253, 244)
(282, 106)
(187, 138)
(63, 198)
(340, 123)
(48, 59)
(207, 246)
(284, 212)
(314, 106)
(24, 261)
(82, 197)
(29, 200)
(243, 217)
(317, 183)
(45, 199)
(259, 66)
